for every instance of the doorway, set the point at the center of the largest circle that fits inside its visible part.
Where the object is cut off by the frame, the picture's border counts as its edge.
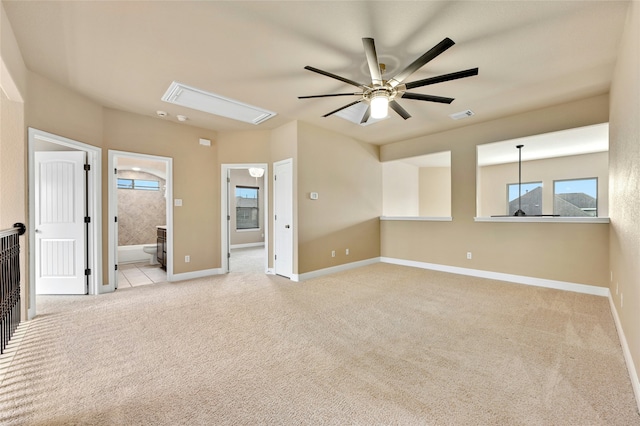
(91, 239)
(245, 225)
(140, 194)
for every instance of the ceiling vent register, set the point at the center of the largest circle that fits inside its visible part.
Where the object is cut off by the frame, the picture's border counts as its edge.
(191, 97)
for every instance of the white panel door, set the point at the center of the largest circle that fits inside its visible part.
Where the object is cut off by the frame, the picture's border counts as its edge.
(60, 229)
(283, 219)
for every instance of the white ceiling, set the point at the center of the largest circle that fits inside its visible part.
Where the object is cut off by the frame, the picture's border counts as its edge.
(125, 54)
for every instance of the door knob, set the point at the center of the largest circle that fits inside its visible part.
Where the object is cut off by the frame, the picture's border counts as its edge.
(287, 226)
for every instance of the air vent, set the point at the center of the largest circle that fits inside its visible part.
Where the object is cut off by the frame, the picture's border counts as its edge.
(462, 114)
(191, 97)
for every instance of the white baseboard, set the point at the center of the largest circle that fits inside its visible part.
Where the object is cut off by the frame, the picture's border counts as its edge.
(628, 359)
(519, 279)
(334, 269)
(196, 274)
(235, 246)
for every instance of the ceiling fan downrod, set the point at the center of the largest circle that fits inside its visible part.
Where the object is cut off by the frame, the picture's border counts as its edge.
(519, 212)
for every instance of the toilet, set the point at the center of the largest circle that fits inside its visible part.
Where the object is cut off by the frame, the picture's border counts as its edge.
(151, 249)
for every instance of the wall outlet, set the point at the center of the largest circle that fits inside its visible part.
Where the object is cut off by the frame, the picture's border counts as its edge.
(187, 259)
(333, 253)
(346, 252)
(469, 255)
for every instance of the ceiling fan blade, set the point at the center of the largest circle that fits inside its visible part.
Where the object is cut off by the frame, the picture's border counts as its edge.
(337, 77)
(441, 78)
(366, 115)
(428, 98)
(343, 107)
(401, 111)
(330, 95)
(421, 61)
(372, 60)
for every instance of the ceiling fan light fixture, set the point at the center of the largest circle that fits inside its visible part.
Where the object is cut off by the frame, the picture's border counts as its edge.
(379, 104)
(256, 172)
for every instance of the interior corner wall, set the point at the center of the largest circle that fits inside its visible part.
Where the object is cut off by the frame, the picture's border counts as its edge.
(347, 175)
(400, 189)
(575, 253)
(435, 191)
(624, 178)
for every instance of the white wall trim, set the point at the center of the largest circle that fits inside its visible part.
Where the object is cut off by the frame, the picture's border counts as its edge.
(196, 274)
(94, 200)
(113, 209)
(543, 219)
(334, 269)
(225, 243)
(633, 374)
(235, 246)
(518, 279)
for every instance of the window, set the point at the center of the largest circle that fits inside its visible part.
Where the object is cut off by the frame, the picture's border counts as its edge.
(145, 185)
(247, 207)
(526, 197)
(576, 197)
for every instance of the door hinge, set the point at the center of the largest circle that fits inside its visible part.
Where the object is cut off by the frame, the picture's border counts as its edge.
(275, 177)
(275, 257)
(115, 171)
(228, 255)
(87, 167)
(228, 217)
(275, 217)
(87, 271)
(115, 219)
(116, 267)
(87, 219)
(228, 180)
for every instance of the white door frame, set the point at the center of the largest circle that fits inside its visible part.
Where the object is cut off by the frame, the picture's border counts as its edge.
(113, 212)
(94, 201)
(224, 205)
(293, 224)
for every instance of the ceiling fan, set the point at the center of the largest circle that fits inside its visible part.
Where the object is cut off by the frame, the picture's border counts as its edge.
(381, 94)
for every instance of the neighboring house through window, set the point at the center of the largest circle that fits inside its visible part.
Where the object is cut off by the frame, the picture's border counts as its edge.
(247, 212)
(576, 197)
(526, 197)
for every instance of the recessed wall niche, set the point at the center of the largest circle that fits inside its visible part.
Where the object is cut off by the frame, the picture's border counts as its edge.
(417, 186)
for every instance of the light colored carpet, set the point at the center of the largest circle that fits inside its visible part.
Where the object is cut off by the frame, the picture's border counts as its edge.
(247, 259)
(383, 344)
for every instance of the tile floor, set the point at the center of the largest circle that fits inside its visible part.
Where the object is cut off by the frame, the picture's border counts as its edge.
(137, 274)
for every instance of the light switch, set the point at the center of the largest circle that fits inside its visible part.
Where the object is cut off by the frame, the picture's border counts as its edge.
(313, 195)
(177, 202)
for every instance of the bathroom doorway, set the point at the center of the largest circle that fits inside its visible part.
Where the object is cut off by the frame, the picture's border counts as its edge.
(244, 218)
(140, 231)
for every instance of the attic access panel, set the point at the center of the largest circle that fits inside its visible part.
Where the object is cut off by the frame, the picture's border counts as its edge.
(194, 98)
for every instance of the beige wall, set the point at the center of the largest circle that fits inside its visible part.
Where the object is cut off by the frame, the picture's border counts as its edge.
(347, 175)
(624, 158)
(400, 189)
(575, 253)
(493, 180)
(13, 156)
(435, 191)
(196, 181)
